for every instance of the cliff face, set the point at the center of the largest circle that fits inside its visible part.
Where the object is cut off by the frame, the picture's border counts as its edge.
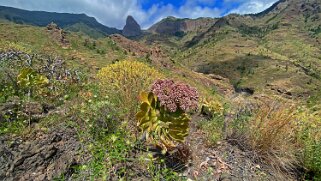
(131, 28)
(172, 26)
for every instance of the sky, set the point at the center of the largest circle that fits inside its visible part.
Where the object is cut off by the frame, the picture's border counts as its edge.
(113, 13)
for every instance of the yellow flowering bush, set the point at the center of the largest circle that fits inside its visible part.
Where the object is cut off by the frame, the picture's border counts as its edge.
(212, 107)
(124, 80)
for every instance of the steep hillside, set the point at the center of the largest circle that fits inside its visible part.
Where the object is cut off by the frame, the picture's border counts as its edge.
(177, 27)
(276, 51)
(74, 22)
(172, 33)
(78, 49)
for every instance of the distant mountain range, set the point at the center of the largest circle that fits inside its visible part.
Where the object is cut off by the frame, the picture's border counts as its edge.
(275, 50)
(169, 26)
(90, 26)
(73, 22)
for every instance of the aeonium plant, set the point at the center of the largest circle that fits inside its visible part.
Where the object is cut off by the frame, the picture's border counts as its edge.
(164, 112)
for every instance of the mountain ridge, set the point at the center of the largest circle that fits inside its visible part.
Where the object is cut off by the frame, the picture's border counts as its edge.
(63, 20)
(172, 25)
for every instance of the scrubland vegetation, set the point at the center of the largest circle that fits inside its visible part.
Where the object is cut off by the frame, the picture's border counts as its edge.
(124, 146)
(93, 109)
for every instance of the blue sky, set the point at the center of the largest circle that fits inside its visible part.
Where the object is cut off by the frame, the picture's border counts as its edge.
(113, 13)
(146, 4)
(220, 4)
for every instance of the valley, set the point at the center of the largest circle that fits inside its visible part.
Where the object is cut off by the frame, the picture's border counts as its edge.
(236, 97)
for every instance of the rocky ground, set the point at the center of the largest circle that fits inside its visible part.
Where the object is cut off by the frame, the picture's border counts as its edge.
(39, 156)
(226, 161)
(44, 155)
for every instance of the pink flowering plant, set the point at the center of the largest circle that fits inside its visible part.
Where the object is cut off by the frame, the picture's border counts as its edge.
(175, 96)
(163, 114)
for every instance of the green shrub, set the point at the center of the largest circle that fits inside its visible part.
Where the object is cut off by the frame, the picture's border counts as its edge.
(22, 73)
(31, 81)
(312, 157)
(310, 139)
(213, 129)
(212, 108)
(113, 150)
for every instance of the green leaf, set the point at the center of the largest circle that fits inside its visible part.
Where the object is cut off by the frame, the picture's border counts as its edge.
(164, 127)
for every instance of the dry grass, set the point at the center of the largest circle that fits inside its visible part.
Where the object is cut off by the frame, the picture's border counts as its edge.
(270, 134)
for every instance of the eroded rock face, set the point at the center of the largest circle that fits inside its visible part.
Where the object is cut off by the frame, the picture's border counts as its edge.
(155, 54)
(42, 156)
(131, 28)
(58, 34)
(177, 27)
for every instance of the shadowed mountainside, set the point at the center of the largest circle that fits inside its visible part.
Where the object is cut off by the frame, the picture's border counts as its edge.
(74, 22)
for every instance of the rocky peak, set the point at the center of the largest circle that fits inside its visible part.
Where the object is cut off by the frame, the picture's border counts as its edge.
(131, 28)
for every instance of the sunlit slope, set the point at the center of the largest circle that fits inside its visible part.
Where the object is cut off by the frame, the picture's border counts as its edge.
(79, 49)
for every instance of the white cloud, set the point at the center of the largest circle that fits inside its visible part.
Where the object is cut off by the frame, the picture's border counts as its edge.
(251, 6)
(109, 12)
(191, 9)
(113, 13)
